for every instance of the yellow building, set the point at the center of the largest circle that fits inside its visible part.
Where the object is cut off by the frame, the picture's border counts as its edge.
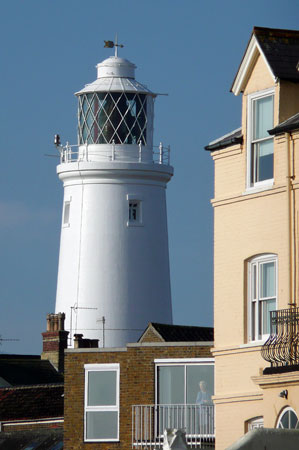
(256, 253)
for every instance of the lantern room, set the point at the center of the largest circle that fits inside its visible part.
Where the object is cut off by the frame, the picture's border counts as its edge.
(115, 108)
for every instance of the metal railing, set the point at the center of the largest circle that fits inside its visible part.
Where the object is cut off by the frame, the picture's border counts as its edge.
(282, 346)
(74, 153)
(150, 421)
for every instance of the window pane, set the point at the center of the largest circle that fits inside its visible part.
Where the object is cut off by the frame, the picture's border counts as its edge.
(101, 425)
(267, 282)
(293, 419)
(200, 384)
(171, 385)
(253, 282)
(264, 160)
(263, 117)
(66, 214)
(253, 306)
(268, 305)
(101, 388)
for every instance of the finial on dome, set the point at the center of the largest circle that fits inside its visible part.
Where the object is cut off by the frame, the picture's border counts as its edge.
(111, 44)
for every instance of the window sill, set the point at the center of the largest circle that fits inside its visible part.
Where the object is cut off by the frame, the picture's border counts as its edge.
(102, 440)
(134, 224)
(254, 343)
(259, 188)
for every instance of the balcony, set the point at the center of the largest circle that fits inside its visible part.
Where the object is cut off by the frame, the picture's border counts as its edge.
(133, 153)
(281, 349)
(150, 421)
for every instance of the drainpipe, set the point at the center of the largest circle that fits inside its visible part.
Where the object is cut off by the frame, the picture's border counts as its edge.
(291, 218)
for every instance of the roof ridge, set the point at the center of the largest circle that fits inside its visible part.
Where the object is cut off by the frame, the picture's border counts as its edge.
(32, 386)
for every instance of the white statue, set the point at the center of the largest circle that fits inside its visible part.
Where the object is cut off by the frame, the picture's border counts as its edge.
(174, 439)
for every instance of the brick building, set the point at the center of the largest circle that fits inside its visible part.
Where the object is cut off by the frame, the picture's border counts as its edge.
(121, 398)
(31, 393)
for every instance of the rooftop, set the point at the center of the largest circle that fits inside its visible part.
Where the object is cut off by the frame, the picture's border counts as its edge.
(180, 333)
(279, 48)
(31, 402)
(232, 138)
(33, 439)
(288, 125)
(22, 370)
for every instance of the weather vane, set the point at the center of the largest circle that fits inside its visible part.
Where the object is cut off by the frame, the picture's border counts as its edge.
(111, 44)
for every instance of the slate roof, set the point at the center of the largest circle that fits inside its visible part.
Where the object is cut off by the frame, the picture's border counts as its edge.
(232, 138)
(33, 440)
(288, 125)
(183, 333)
(27, 370)
(281, 49)
(31, 402)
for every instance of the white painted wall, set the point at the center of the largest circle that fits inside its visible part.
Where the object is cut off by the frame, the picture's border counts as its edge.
(121, 270)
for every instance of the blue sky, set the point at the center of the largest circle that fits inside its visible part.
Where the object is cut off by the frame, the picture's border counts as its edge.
(189, 49)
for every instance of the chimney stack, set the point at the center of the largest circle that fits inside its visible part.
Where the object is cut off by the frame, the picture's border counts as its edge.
(80, 342)
(55, 340)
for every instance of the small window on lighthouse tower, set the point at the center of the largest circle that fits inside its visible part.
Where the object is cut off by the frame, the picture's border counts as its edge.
(66, 214)
(135, 218)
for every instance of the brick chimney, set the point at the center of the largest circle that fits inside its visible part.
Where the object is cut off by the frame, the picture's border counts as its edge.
(80, 342)
(55, 340)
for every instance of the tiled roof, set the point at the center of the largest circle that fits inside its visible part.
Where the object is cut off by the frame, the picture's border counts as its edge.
(183, 333)
(44, 439)
(281, 49)
(232, 138)
(34, 402)
(19, 370)
(288, 125)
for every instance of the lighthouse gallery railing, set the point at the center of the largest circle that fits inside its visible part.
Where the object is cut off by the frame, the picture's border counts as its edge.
(137, 153)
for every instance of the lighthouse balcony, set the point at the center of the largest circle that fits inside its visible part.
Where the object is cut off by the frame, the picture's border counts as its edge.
(134, 153)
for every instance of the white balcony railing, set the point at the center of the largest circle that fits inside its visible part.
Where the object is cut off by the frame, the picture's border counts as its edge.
(113, 152)
(150, 421)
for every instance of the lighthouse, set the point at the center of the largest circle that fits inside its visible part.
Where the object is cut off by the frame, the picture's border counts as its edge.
(113, 274)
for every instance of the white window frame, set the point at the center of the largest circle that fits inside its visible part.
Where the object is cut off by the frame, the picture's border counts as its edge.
(101, 368)
(255, 422)
(251, 185)
(134, 199)
(256, 262)
(286, 410)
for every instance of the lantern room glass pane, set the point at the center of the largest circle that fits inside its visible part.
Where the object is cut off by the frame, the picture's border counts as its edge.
(107, 117)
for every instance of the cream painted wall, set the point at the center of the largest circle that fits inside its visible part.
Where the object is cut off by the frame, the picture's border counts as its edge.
(249, 223)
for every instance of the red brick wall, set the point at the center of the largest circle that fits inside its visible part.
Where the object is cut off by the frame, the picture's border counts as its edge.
(137, 386)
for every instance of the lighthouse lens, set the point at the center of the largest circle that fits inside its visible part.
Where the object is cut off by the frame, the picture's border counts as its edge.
(112, 117)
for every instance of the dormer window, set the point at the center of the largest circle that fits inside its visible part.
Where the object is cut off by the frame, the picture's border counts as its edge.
(259, 142)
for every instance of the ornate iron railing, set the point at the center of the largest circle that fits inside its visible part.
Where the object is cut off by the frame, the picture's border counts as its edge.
(282, 346)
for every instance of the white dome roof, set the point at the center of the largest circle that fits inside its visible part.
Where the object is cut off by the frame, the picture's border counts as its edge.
(115, 75)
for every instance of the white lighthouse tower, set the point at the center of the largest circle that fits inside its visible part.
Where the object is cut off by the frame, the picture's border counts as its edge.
(114, 260)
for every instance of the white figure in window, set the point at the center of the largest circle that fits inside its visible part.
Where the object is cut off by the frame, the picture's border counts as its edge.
(204, 401)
